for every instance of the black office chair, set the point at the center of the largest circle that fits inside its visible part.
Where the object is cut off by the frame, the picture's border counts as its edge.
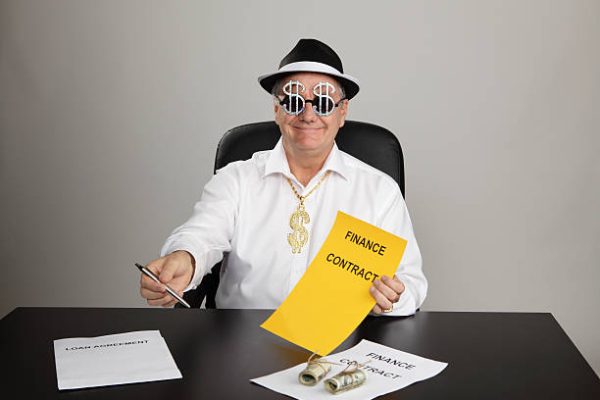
(369, 143)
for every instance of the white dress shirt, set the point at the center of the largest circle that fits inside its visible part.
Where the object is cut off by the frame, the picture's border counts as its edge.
(245, 211)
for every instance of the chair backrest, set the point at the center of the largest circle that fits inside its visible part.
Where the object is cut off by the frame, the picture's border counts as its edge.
(369, 143)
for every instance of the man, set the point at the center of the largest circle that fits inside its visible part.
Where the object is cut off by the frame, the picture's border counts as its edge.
(272, 213)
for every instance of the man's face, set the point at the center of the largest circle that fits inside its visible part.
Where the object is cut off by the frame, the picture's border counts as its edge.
(309, 134)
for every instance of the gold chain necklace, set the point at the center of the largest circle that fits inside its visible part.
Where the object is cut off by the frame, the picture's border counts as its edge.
(299, 235)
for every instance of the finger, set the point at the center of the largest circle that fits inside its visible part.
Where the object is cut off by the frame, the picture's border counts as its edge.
(156, 265)
(377, 309)
(160, 302)
(178, 284)
(387, 291)
(382, 301)
(151, 295)
(170, 304)
(168, 271)
(396, 284)
(148, 283)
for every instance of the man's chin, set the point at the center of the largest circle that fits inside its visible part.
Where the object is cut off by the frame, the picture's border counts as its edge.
(311, 146)
(309, 135)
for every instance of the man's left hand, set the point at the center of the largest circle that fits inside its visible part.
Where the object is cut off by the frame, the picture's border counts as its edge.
(386, 291)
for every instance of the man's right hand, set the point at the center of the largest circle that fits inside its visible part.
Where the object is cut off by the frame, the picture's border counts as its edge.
(176, 270)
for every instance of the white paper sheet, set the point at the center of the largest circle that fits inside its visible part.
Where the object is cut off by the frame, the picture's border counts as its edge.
(131, 357)
(388, 370)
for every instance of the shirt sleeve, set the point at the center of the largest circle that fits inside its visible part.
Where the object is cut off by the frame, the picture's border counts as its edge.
(207, 234)
(397, 220)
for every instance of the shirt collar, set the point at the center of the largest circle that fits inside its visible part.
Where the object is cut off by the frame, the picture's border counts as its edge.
(277, 162)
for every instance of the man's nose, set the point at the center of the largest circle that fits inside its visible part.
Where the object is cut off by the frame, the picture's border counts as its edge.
(308, 114)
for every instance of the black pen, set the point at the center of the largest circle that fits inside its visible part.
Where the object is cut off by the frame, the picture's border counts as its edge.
(173, 293)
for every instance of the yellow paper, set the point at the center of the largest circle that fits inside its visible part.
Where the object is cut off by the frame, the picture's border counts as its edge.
(333, 298)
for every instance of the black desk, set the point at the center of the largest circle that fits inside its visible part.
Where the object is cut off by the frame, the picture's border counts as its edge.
(490, 355)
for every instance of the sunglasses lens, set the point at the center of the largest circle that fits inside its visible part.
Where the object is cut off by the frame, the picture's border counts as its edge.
(323, 105)
(293, 104)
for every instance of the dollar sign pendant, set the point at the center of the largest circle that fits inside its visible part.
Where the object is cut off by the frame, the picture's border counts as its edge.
(299, 235)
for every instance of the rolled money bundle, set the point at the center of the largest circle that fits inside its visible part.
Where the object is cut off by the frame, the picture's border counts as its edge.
(345, 380)
(314, 372)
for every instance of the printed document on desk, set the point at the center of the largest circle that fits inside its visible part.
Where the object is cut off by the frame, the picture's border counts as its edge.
(386, 369)
(131, 357)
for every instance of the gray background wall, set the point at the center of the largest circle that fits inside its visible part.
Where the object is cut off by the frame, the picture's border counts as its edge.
(110, 113)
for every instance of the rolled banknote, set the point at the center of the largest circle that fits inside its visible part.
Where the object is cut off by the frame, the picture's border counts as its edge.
(314, 372)
(345, 380)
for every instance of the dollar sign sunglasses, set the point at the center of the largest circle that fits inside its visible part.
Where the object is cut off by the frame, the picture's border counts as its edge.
(293, 102)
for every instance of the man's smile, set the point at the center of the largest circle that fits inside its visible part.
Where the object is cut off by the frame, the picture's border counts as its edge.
(308, 129)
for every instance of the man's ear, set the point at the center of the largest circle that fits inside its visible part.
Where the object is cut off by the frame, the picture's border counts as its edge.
(276, 109)
(343, 112)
